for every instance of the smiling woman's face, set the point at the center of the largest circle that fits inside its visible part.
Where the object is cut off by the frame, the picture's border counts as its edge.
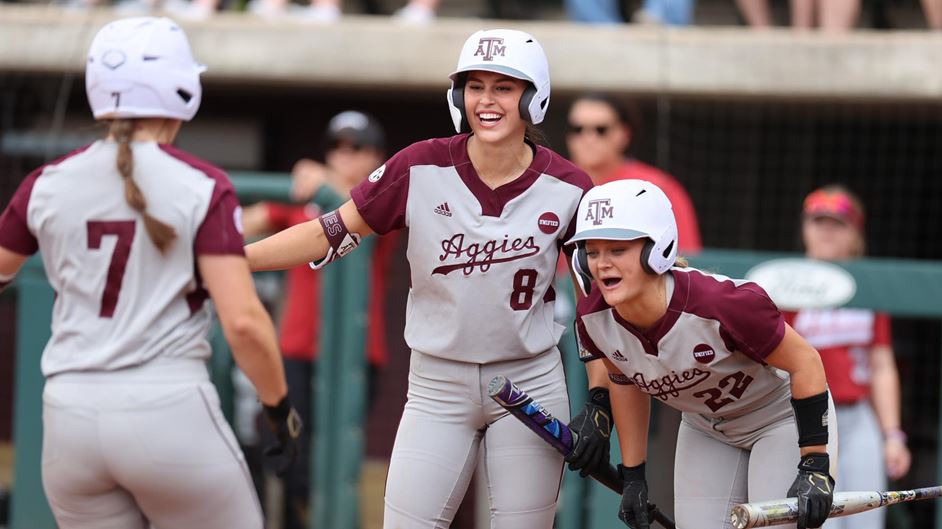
(492, 105)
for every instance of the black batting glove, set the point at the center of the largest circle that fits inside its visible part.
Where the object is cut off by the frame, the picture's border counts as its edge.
(634, 497)
(286, 425)
(814, 488)
(594, 428)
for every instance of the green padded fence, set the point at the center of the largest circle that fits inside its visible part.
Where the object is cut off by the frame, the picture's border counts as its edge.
(900, 287)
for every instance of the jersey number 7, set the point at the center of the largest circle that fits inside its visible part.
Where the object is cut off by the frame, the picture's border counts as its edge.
(124, 231)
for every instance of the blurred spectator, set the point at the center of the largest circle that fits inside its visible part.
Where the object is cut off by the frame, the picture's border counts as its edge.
(856, 349)
(318, 11)
(756, 13)
(827, 15)
(599, 133)
(933, 12)
(355, 148)
(327, 11)
(666, 12)
(594, 11)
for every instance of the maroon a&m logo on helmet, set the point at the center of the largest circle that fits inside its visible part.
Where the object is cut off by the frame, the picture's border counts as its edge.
(703, 353)
(489, 47)
(599, 210)
(548, 223)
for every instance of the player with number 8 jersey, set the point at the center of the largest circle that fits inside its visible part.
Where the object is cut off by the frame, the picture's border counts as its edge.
(488, 211)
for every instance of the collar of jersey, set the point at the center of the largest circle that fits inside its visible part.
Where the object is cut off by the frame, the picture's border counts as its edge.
(492, 201)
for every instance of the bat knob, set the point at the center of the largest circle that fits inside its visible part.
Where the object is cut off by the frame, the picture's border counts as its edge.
(496, 385)
(739, 517)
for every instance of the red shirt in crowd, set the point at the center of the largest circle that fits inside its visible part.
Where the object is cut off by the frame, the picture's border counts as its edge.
(844, 338)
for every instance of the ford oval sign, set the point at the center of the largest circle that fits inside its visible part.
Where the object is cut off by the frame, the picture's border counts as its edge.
(795, 284)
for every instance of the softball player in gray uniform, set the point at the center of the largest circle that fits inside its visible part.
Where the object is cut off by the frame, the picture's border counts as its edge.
(713, 347)
(487, 214)
(133, 233)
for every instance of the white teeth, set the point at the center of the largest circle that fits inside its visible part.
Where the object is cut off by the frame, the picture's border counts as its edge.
(489, 115)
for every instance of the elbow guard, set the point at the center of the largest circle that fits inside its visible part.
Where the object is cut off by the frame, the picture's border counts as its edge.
(340, 239)
(811, 417)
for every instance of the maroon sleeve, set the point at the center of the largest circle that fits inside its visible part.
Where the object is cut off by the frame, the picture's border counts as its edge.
(220, 232)
(381, 198)
(14, 230)
(750, 321)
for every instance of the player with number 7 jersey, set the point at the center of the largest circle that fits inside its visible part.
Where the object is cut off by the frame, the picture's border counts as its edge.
(135, 235)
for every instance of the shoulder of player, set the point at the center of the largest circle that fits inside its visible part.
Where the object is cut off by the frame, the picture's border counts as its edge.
(551, 163)
(591, 304)
(709, 294)
(211, 171)
(62, 163)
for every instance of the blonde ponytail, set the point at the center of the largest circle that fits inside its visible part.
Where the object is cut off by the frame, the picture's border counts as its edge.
(160, 233)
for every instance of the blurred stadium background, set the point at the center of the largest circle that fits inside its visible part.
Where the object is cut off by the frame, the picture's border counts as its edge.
(749, 121)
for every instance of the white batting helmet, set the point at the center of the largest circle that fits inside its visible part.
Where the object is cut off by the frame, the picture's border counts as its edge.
(509, 52)
(142, 67)
(625, 210)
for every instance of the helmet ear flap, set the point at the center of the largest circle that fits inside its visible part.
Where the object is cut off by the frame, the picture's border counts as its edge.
(646, 257)
(456, 104)
(525, 100)
(580, 265)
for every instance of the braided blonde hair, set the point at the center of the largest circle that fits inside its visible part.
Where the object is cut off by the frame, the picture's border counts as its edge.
(160, 233)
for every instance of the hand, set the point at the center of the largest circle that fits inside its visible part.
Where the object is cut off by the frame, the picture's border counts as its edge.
(287, 425)
(897, 457)
(307, 177)
(594, 427)
(814, 488)
(634, 497)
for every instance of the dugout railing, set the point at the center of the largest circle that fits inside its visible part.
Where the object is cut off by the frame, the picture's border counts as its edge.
(900, 287)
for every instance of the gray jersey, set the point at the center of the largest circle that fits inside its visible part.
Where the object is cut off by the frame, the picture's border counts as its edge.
(705, 355)
(119, 301)
(482, 261)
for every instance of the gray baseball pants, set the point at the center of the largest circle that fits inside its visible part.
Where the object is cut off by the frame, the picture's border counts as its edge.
(143, 447)
(722, 462)
(447, 418)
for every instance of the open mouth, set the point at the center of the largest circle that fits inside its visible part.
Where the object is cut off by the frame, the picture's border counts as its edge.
(611, 281)
(489, 119)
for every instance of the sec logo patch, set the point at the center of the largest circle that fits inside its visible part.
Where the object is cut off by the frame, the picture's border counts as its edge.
(703, 353)
(548, 223)
(377, 174)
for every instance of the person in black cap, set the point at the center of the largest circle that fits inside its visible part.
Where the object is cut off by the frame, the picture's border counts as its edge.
(354, 145)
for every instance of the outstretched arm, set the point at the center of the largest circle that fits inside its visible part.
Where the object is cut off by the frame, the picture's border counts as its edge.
(301, 243)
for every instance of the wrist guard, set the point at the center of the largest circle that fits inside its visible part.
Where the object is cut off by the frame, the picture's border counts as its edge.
(600, 397)
(811, 417)
(631, 473)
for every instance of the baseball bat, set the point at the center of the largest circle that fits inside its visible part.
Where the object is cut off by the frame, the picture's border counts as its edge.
(556, 433)
(778, 512)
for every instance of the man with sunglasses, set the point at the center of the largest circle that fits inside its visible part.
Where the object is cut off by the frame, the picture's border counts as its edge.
(598, 135)
(354, 147)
